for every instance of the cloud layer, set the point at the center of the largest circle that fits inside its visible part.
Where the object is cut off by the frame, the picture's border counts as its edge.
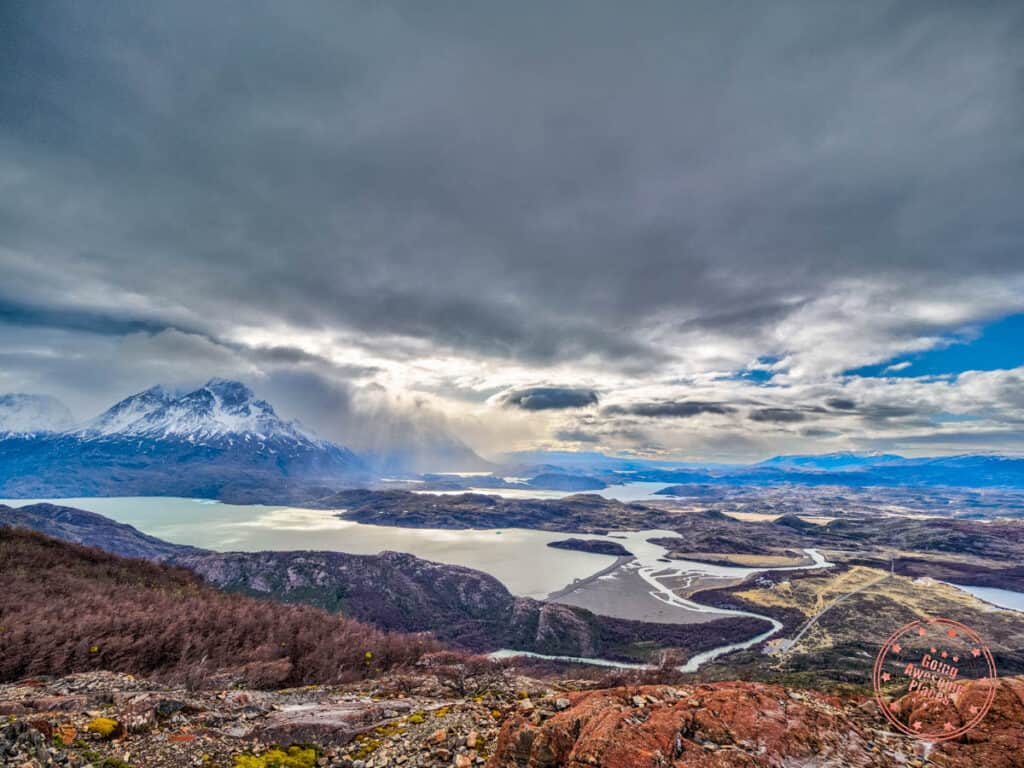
(443, 205)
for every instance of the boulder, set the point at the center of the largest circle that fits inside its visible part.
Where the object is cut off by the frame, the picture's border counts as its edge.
(331, 724)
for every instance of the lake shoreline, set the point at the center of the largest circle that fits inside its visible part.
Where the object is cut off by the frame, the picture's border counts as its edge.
(580, 583)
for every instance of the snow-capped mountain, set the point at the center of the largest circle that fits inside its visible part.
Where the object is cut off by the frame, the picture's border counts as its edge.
(23, 414)
(219, 410)
(218, 441)
(123, 414)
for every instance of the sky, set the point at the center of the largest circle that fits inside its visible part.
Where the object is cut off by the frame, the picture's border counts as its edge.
(679, 229)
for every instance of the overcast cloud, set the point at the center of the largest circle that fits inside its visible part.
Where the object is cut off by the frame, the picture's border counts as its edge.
(406, 214)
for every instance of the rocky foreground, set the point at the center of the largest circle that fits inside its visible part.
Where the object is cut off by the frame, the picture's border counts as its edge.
(743, 725)
(431, 719)
(108, 720)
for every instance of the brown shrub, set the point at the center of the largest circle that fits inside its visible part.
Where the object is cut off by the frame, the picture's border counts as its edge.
(66, 608)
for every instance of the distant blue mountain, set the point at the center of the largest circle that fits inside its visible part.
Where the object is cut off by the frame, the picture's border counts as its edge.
(220, 441)
(593, 461)
(831, 461)
(217, 441)
(850, 469)
(967, 471)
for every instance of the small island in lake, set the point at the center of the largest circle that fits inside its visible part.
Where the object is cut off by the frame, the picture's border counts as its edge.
(595, 546)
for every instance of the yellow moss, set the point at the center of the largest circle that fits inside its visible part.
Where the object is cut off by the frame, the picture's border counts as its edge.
(496, 714)
(442, 712)
(104, 727)
(294, 757)
(367, 746)
(416, 717)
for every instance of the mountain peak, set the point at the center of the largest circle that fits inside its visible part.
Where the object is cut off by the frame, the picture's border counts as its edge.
(229, 389)
(130, 410)
(221, 408)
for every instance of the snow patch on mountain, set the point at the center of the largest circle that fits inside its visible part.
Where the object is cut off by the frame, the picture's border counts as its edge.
(30, 414)
(121, 416)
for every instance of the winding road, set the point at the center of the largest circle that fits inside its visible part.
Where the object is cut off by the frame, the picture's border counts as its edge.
(790, 644)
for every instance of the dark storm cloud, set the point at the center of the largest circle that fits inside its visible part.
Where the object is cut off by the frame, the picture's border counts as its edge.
(745, 319)
(99, 322)
(778, 415)
(819, 432)
(549, 398)
(668, 409)
(841, 403)
(451, 173)
(883, 414)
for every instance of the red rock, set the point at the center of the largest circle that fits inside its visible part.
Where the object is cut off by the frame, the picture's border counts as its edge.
(998, 740)
(43, 726)
(67, 733)
(741, 725)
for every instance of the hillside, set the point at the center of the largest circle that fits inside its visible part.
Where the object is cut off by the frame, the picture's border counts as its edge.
(398, 592)
(90, 529)
(461, 607)
(98, 611)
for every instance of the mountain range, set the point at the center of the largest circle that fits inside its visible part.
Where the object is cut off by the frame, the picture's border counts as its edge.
(839, 469)
(217, 441)
(857, 470)
(221, 441)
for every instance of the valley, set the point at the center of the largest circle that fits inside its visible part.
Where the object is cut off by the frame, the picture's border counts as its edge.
(686, 587)
(789, 572)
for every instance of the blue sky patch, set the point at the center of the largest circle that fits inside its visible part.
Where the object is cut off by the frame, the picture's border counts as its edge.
(1000, 345)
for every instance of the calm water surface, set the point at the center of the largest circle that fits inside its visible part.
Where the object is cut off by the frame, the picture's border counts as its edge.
(519, 558)
(626, 492)
(1003, 598)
